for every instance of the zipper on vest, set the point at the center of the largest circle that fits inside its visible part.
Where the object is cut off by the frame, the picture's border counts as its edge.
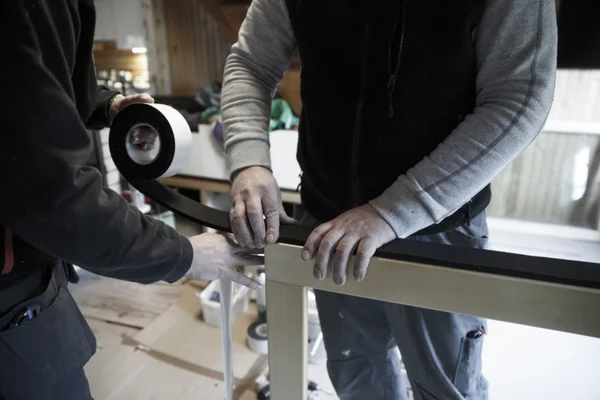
(394, 69)
(358, 117)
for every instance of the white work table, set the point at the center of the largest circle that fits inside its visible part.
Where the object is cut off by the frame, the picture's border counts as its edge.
(207, 168)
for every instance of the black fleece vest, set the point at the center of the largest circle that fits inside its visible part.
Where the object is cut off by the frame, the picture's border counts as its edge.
(383, 83)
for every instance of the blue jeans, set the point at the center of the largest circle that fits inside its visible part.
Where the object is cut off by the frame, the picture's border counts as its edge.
(361, 336)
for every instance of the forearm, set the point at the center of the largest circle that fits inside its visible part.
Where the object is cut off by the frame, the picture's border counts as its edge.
(61, 208)
(49, 198)
(100, 117)
(515, 87)
(256, 65)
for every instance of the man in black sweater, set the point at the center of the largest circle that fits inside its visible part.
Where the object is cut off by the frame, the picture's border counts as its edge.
(54, 211)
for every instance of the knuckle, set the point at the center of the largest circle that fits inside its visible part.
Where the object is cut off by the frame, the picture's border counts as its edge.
(236, 201)
(343, 248)
(362, 252)
(271, 212)
(321, 259)
(320, 266)
(324, 227)
(246, 191)
(328, 240)
(254, 213)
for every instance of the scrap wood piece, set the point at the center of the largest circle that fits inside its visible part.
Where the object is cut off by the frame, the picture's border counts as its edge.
(121, 371)
(101, 328)
(180, 336)
(122, 302)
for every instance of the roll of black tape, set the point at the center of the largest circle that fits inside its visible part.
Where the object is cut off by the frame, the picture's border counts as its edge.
(257, 337)
(175, 144)
(171, 152)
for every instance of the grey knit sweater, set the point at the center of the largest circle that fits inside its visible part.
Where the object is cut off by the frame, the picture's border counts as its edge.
(515, 45)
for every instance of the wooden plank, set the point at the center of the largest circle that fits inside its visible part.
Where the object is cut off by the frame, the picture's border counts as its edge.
(534, 303)
(215, 8)
(153, 20)
(197, 47)
(287, 331)
(234, 14)
(119, 371)
(101, 328)
(289, 89)
(123, 302)
(107, 56)
(230, 18)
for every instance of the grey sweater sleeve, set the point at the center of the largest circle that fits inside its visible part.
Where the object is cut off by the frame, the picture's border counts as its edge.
(515, 42)
(253, 70)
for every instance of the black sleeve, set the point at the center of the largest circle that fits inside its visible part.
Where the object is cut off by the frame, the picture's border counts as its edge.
(100, 116)
(47, 197)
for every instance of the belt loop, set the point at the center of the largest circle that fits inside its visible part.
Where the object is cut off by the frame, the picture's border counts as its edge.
(9, 255)
(70, 273)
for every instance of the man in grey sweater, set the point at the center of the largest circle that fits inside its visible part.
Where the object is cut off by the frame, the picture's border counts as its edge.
(409, 110)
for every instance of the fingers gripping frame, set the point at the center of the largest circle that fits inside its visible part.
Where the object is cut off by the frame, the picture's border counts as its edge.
(530, 302)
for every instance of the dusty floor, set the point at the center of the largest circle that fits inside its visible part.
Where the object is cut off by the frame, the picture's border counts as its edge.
(520, 362)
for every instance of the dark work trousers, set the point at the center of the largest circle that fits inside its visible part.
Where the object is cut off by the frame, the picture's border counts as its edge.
(361, 338)
(43, 358)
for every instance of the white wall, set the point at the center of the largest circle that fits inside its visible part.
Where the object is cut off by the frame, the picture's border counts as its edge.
(120, 21)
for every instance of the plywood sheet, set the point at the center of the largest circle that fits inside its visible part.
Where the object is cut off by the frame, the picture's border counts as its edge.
(119, 371)
(180, 336)
(123, 302)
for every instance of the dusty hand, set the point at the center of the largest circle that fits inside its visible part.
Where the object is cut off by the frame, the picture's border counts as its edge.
(143, 138)
(218, 257)
(359, 230)
(254, 194)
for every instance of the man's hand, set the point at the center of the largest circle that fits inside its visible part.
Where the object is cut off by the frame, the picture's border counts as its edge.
(143, 138)
(217, 257)
(254, 194)
(360, 230)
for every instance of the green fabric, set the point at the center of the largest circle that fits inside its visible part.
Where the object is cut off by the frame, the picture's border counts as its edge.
(209, 113)
(282, 116)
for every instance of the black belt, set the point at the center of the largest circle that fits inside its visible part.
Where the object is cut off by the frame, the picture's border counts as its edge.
(463, 216)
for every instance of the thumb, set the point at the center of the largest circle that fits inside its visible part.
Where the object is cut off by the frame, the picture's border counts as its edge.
(284, 218)
(145, 98)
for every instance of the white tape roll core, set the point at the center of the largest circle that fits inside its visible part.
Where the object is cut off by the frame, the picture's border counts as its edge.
(257, 338)
(171, 150)
(183, 139)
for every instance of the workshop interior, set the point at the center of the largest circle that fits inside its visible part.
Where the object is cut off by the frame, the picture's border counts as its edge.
(170, 340)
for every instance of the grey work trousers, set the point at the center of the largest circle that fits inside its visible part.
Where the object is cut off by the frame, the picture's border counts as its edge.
(361, 336)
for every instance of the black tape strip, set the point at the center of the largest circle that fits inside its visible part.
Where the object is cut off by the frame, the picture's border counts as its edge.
(571, 272)
(577, 273)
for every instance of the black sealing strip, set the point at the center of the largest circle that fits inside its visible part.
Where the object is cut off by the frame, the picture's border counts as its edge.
(577, 273)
